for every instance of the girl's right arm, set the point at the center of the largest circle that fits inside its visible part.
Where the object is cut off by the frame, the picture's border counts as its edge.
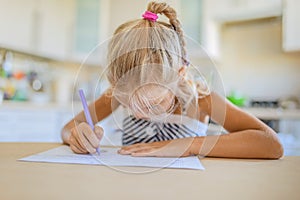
(78, 134)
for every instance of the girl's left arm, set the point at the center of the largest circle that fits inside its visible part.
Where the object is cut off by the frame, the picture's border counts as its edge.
(248, 137)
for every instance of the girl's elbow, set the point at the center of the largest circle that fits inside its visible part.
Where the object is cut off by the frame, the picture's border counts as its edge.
(271, 145)
(277, 150)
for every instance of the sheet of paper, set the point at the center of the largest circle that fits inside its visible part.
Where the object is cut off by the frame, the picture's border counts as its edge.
(110, 157)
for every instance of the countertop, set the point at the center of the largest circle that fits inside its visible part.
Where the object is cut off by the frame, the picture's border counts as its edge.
(222, 179)
(262, 113)
(31, 106)
(273, 113)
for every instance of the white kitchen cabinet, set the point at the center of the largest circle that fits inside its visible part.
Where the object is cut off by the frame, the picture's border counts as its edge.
(290, 126)
(291, 25)
(191, 16)
(39, 27)
(19, 125)
(96, 21)
(54, 28)
(69, 29)
(87, 29)
(289, 135)
(16, 24)
(239, 10)
(218, 12)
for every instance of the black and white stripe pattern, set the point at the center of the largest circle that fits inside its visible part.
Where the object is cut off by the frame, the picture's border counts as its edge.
(144, 131)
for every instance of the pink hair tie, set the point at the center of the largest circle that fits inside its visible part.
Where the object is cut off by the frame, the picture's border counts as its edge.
(150, 16)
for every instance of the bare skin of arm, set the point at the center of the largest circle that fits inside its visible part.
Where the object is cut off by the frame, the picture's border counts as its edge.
(248, 137)
(78, 134)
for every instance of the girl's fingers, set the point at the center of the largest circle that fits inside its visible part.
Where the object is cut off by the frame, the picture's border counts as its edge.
(89, 134)
(161, 148)
(85, 137)
(124, 152)
(76, 142)
(75, 146)
(75, 149)
(99, 132)
(84, 140)
(133, 148)
(143, 152)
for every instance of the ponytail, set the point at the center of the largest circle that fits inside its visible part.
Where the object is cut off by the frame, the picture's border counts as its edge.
(170, 13)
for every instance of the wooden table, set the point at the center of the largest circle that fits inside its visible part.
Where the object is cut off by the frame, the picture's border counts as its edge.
(222, 179)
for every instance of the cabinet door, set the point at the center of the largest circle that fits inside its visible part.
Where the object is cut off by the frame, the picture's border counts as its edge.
(28, 126)
(239, 10)
(291, 25)
(290, 127)
(54, 27)
(16, 24)
(191, 17)
(87, 25)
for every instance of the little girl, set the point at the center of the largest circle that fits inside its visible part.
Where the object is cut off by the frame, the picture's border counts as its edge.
(169, 111)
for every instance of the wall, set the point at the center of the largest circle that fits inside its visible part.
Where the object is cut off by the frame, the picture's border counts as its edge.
(121, 11)
(254, 63)
(118, 15)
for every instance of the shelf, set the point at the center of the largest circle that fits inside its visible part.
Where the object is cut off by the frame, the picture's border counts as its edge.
(274, 113)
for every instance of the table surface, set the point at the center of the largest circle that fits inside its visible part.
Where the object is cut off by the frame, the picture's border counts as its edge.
(222, 179)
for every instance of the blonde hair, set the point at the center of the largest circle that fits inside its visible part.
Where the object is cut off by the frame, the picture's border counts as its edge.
(150, 52)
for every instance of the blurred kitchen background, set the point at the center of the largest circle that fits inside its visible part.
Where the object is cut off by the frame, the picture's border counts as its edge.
(255, 45)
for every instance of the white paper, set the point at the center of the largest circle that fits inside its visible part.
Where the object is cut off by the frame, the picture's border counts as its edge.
(110, 157)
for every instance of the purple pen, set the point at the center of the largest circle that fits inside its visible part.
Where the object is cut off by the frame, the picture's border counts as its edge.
(87, 112)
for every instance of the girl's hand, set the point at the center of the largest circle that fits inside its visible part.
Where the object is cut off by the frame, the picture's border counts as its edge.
(84, 140)
(169, 148)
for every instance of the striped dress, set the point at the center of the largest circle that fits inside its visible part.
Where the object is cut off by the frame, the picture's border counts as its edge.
(145, 131)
